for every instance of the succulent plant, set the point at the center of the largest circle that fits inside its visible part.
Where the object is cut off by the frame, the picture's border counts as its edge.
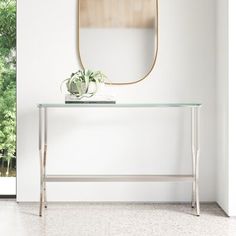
(84, 83)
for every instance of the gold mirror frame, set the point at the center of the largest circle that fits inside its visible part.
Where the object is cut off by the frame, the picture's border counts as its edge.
(155, 55)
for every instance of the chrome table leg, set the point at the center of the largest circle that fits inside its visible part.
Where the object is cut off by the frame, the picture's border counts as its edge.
(45, 156)
(197, 162)
(41, 162)
(195, 159)
(42, 158)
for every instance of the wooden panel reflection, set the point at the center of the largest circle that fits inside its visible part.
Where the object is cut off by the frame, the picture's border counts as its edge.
(117, 13)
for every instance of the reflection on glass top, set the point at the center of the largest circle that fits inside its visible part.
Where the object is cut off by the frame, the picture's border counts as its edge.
(142, 105)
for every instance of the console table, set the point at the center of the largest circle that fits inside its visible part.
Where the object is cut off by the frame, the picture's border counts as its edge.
(193, 178)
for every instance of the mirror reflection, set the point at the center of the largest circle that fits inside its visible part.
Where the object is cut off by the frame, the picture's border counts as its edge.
(118, 37)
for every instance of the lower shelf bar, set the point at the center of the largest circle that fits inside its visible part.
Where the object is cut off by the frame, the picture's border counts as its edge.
(119, 178)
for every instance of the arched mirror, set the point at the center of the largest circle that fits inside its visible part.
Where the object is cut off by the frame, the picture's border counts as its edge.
(119, 37)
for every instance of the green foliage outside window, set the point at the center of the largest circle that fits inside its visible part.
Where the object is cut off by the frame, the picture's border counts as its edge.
(7, 87)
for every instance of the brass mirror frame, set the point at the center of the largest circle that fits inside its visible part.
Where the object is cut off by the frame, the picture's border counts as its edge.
(155, 55)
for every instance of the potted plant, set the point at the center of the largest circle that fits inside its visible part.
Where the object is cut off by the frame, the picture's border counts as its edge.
(84, 83)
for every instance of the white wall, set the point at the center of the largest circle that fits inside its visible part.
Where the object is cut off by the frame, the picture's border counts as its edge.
(232, 109)
(222, 105)
(109, 140)
(226, 113)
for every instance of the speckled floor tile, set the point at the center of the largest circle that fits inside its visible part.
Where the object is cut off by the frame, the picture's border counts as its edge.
(113, 219)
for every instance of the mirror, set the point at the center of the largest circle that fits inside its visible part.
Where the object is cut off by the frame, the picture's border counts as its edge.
(119, 38)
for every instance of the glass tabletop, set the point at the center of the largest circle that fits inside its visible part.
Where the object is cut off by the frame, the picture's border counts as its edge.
(129, 105)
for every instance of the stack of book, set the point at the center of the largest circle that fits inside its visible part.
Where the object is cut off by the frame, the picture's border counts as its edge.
(96, 99)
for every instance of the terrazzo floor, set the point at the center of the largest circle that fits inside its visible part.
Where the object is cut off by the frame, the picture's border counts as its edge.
(113, 219)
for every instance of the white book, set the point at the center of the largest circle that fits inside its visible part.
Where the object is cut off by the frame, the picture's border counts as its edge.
(97, 98)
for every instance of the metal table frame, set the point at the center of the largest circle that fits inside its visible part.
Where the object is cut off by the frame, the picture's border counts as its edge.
(194, 177)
